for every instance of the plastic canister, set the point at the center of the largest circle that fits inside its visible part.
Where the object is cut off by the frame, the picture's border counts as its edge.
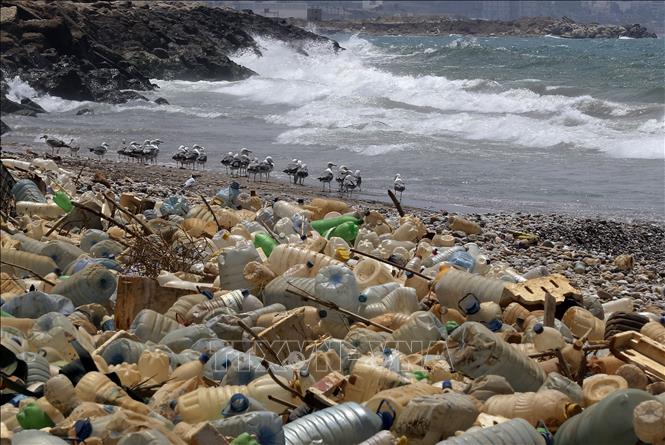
(512, 432)
(323, 225)
(546, 338)
(338, 285)
(370, 272)
(96, 387)
(232, 262)
(454, 284)
(466, 226)
(369, 380)
(182, 338)
(54, 330)
(277, 291)
(649, 421)
(91, 237)
(346, 423)
(206, 403)
(284, 256)
(608, 422)
(149, 325)
(106, 249)
(94, 284)
(599, 386)
(25, 261)
(35, 304)
(400, 396)
(265, 425)
(655, 330)
(154, 365)
(383, 437)
(428, 419)
(401, 300)
(421, 330)
(482, 352)
(548, 405)
(579, 321)
(61, 252)
(27, 190)
(264, 241)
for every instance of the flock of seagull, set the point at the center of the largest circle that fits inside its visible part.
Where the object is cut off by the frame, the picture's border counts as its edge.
(242, 163)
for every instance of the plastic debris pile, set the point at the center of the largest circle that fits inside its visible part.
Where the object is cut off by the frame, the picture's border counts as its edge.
(129, 320)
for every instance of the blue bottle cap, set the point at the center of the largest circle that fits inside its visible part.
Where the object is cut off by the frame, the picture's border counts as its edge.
(245, 292)
(387, 351)
(471, 307)
(446, 384)
(494, 325)
(362, 298)
(203, 358)
(239, 402)
(408, 274)
(387, 420)
(538, 328)
(173, 404)
(309, 263)
(323, 313)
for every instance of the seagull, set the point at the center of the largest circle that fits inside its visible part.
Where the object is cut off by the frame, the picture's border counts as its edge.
(341, 174)
(189, 183)
(301, 174)
(349, 184)
(74, 151)
(202, 157)
(244, 160)
(359, 180)
(327, 176)
(253, 168)
(101, 150)
(399, 186)
(56, 143)
(292, 168)
(265, 167)
(226, 161)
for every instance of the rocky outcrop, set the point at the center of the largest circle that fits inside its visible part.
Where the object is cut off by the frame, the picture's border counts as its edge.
(528, 26)
(105, 51)
(4, 128)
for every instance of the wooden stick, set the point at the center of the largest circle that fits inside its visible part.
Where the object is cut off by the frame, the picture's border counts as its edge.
(130, 214)
(272, 375)
(418, 274)
(396, 203)
(581, 371)
(282, 402)
(333, 306)
(56, 224)
(550, 308)
(111, 220)
(219, 227)
(28, 270)
(258, 339)
(562, 364)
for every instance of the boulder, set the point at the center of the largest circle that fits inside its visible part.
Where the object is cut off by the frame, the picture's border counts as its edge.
(4, 128)
(161, 101)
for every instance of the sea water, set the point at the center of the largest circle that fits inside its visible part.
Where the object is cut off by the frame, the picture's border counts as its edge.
(536, 124)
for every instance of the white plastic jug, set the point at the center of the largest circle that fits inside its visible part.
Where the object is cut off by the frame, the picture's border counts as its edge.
(337, 284)
(421, 331)
(232, 262)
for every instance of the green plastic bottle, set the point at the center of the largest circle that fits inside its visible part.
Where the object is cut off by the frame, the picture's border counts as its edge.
(265, 242)
(33, 417)
(63, 201)
(244, 439)
(5, 314)
(323, 225)
(347, 231)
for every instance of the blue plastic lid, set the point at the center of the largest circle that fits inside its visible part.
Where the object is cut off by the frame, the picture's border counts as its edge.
(304, 372)
(203, 358)
(239, 402)
(447, 384)
(662, 319)
(245, 292)
(235, 186)
(173, 404)
(16, 400)
(362, 298)
(387, 351)
(323, 313)
(83, 429)
(471, 307)
(387, 420)
(309, 263)
(494, 325)
(538, 328)
(408, 274)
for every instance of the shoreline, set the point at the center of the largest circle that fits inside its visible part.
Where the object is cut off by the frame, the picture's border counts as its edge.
(582, 249)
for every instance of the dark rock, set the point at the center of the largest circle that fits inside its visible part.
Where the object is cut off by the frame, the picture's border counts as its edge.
(85, 112)
(97, 50)
(10, 107)
(4, 128)
(28, 103)
(161, 101)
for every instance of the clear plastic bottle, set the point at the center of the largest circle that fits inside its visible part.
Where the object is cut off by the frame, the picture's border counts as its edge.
(232, 262)
(337, 284)
(370, 272)
(418, 333)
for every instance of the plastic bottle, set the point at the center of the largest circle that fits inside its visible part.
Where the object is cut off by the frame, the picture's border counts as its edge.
(39, 264)
(32, 416)
(512, 432)
(190, 370)
(300, 271)
(573, 355)
(264, 241)
(27, 190)
(285, 209)
(620, 305)
(94, 284)
(232, 261)
(204, 404)
(399, 397)
(54, 330)
(565, 385)
(546, 404)
(383, 437)
(154, 365)
(240, 404)
(608, 422)
(266, 426)
(401, 300)
(464, 225)
(96, 387)
(655, 330)
(337, 248)
(579, 321)
(547, 338)
(63, 201)
(35, 304)
(345, 423)
(338, 285)
(60, 393)
(428, 419)
(122, 350)
(38, 367)
(421, 285)
(61, 252)
(347, 231)
(481, 352)
(182, 305)
(284, 256)
(513, 312)
(462, 260)
(277, 291)
(452, 285)
(106, 249)
(91, 237)
(649, 422)
(376, 293)
(324, 225)
(265, 386)
(599, 386)
(182, 338)
(488, 313)
(370, 272)
(418, 333)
